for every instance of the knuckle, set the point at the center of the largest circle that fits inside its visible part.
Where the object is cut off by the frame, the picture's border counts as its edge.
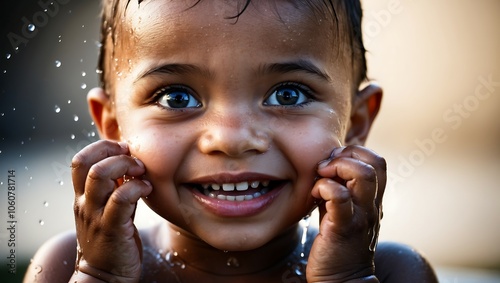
(78, 161)
(380, 162)
(369, 173)
(97, 172)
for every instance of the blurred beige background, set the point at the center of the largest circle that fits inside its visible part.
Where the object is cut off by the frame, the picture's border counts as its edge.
(439, 128)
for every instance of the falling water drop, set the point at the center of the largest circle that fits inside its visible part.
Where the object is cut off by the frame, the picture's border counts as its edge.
(60, 182)
(72, 136)
(305, 222)
(84, 74)
(8, 56)
(57, 109)
(41, 222)
(69, 101)
(83, 85)
(58, 63)
(46, 204)
(76, 118)
(31, 27)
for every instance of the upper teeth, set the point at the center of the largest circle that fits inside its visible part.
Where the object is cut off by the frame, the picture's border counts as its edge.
(242, 186)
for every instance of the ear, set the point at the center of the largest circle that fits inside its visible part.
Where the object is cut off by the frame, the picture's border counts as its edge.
(103, 114)
(365, 108)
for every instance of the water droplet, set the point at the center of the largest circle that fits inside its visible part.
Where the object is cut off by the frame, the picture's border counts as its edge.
(58, 63)
(85, 41)
(38, 269)
(75, 118)
(31, 177)
(8, 55)
(3, 114)
(233, 262)
(65, 262)
(173, 260)
(41, 222)
(5, 71)
(26, 168)
(299, 269)
(72, 137)
(84, 74)
(83, 86)
(31, 27)
(25, 211)
(69, 101)
(57, 109)
(14, 109)
(46, 204)
(60, 182)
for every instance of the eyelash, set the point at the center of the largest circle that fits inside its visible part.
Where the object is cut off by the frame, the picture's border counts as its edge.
(170, 89)
(307, 91)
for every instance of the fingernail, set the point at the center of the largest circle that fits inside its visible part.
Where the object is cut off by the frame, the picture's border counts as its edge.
(324, 163)
(336, 151)
(148, 183)
(123, 145)
(139, 162)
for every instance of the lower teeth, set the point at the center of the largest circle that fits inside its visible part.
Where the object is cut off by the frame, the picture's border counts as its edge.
(236, 198)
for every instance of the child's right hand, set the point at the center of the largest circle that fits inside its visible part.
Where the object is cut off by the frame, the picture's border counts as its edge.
(109, 244)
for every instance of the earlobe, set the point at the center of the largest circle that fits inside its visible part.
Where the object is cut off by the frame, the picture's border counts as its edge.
(364, 111)
(103, 114)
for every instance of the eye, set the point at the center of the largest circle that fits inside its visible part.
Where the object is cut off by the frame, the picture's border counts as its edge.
(176, 98)
(289, 94)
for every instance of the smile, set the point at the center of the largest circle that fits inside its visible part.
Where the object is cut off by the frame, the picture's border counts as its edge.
(242, 191)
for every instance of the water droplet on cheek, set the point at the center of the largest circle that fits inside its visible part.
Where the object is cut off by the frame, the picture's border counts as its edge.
(233, 262)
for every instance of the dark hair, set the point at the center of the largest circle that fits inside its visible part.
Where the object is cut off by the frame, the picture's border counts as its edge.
(350, 10)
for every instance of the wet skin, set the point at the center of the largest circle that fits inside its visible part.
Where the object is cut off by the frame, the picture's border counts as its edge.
(200, 102)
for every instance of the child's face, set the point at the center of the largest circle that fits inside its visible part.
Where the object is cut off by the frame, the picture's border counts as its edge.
(203, 100)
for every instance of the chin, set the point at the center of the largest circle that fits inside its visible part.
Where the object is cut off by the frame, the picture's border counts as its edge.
(229, 240)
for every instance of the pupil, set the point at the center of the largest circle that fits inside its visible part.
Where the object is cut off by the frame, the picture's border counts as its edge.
(178, 100)
(287, 97)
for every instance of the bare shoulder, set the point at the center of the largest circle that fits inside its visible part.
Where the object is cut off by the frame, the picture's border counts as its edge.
(395, 262)
(54, 261)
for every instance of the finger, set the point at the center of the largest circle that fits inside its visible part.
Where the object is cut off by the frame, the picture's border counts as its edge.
(337, 209)
(121, 205)
(90, 155)
(360, 178)
(102, 176)
(368, 156)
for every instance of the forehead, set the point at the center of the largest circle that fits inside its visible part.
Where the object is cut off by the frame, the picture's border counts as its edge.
(266, 30)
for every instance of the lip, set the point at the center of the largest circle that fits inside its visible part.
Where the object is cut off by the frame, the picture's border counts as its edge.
(227, 208)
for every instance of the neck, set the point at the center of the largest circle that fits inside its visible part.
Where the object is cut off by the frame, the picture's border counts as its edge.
(185, 248)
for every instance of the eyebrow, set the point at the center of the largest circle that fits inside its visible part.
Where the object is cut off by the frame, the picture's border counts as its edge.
(176, 69)
(295, 66)
(285, 67)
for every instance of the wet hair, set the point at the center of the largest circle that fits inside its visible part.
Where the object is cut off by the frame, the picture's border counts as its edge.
(345, 14)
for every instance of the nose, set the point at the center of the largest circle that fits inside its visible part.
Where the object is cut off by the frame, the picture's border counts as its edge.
(234, 134)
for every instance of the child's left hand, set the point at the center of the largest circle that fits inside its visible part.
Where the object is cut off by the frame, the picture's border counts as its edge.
(350, 187)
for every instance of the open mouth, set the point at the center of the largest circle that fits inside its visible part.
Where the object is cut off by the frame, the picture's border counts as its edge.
(242, 191)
